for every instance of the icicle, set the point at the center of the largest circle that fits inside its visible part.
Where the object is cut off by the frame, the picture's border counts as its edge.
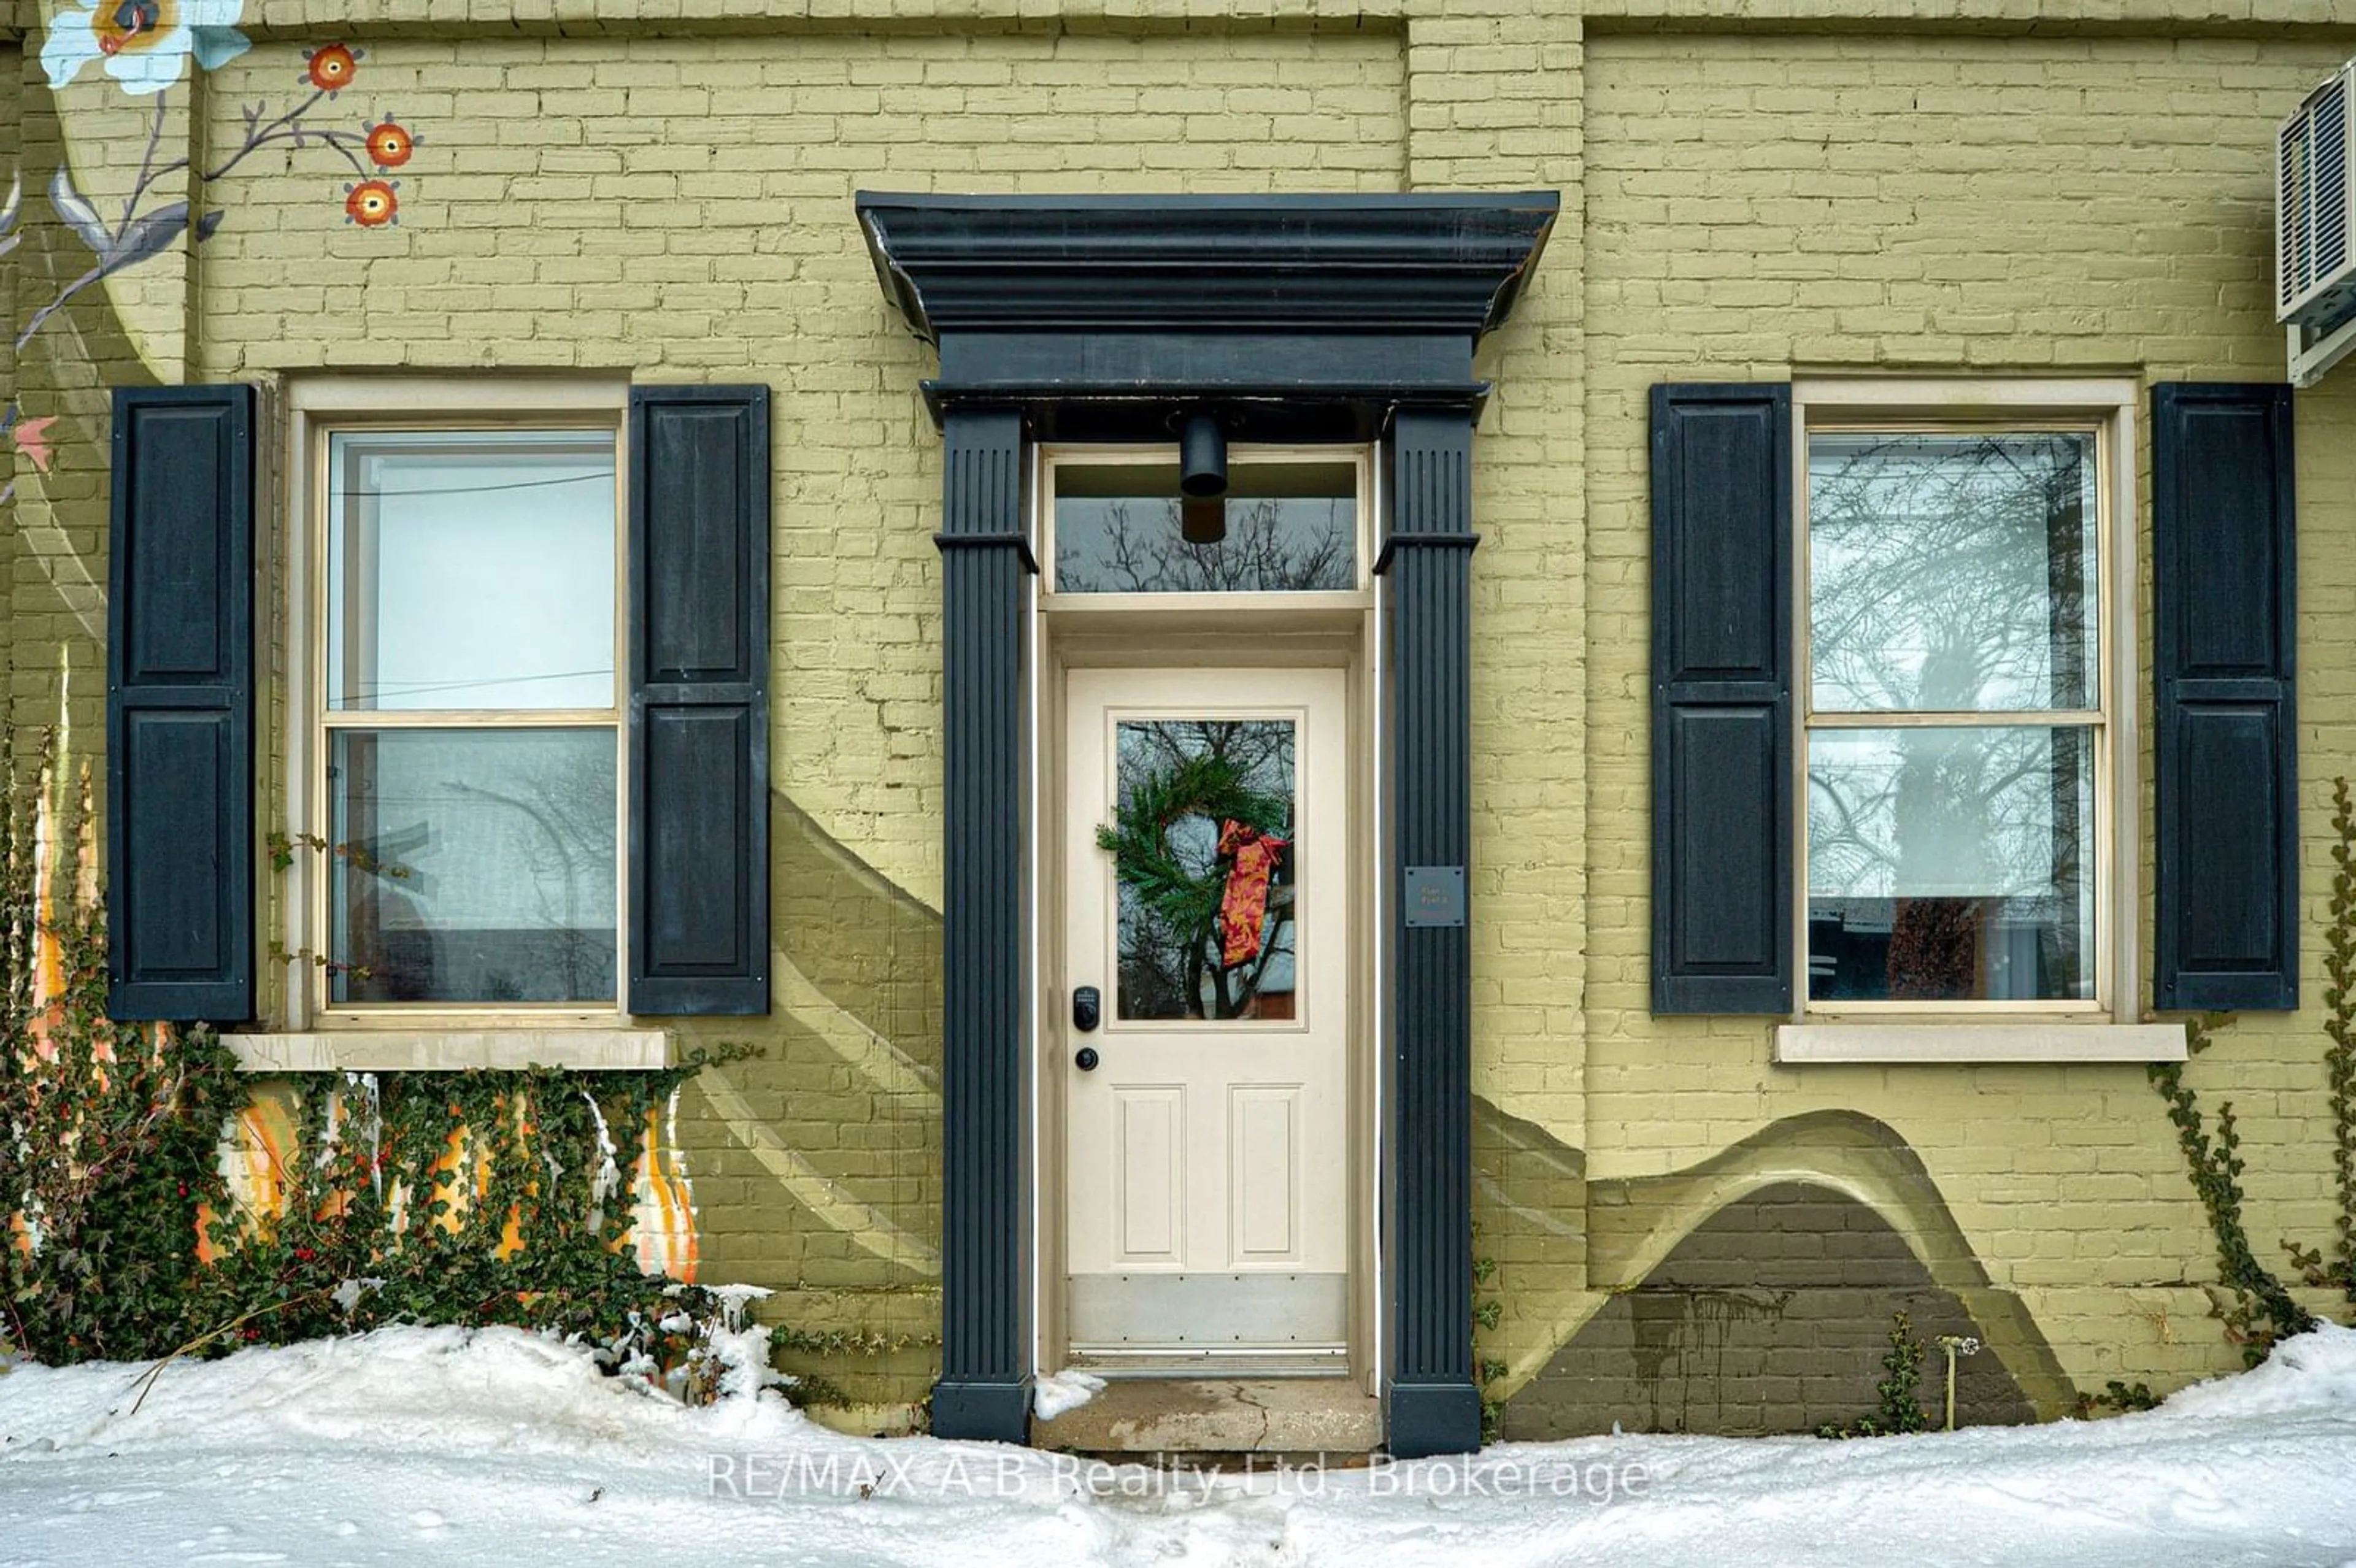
(49, 957)
(736, 1302)
(680, 1174)
(608, 1179)
(666, 1213)
(678, 1155)
(375, 1128)
(332, 1134)
(29, 1226)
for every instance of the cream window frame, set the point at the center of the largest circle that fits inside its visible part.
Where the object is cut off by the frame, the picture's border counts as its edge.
(320, 409)
(2033, 1029)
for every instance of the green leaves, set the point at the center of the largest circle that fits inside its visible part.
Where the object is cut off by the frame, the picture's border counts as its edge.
(2340, 1026)
(1180, 903)
(2262, 1310)
(1209, 786)
(1901, 1410)
(110, 1150)
(2117, 1396)
(108, 1136)
(1488, 1311)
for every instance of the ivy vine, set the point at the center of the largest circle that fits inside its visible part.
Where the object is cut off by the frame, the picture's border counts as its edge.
(2117, 1397)
(1488, 1311)
(463, 1198)
(1900, 1407)
(2339, 1059)
(2263, 1310)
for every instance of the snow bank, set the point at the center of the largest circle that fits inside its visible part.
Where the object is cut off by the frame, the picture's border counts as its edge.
(498, 1449)
(396, 1390)
(2316, 1371)
(1065, 1390)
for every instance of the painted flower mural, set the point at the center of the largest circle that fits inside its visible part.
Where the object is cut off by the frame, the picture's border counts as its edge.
(32, 438)
(331, 69)
(145, 44)
(372, 203)
(390, 144)
(145, 49)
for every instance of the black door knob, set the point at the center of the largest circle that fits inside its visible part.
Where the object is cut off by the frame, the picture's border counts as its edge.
(1086, 1059)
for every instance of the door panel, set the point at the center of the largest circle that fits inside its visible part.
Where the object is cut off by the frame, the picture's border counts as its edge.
(1264, 1184)
(1150, 1171)
(1207, 894)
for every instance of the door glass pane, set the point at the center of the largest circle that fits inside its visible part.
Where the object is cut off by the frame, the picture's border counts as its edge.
(470, 569)
(1953, 573)
(1951, 864)
(1120, 528)
(473, 866)
(1205, 869)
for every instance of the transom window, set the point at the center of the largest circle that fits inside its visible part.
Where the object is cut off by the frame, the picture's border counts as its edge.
(469, 718)
(1957, 729)
(1289, 521)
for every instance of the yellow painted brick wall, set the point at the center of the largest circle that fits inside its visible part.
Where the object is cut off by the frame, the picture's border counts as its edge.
(680, 209)
(662, 189)
(1494, 103)
(54, 598)
(1762, 206)
(11, 137)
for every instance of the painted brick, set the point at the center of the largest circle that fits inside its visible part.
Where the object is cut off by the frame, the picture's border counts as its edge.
(662, 188)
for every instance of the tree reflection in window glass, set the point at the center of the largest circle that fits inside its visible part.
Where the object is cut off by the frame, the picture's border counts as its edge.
(1205, 869)
(1946, 864)
(1954, 577)
(1291, 527)
(1952, 573)
(473, 865)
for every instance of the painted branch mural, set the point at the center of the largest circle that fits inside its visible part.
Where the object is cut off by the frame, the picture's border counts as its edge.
(147, 47)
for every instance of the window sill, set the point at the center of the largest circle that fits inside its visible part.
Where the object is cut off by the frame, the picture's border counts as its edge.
(451, 1050)
(1970, 1043)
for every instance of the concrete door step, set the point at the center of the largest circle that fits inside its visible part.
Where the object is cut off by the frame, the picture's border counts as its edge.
(1186, 1416)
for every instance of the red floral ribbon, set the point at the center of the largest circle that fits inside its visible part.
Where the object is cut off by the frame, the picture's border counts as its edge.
(1243, 910)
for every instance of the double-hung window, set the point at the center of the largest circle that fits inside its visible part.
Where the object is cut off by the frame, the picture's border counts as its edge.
(468, 714)
(1960, 702)
(1895, 692)
(522, 713)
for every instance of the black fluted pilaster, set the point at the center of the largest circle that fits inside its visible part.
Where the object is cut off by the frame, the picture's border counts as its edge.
(1434, 1400)
(985, 1386)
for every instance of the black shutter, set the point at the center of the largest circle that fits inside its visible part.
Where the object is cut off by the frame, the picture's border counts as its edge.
(2227, 791)
(1722, 699)
(179, 705)
(699, 700)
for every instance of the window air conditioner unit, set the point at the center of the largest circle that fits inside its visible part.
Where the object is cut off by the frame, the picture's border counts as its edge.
(2315, 271)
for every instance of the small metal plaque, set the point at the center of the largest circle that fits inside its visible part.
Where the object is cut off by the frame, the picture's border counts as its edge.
(1435, 895)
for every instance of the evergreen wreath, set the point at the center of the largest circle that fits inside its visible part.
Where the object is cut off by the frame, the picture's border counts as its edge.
(1185, 904)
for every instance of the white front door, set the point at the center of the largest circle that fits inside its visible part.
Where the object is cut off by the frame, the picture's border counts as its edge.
(1206, 1142)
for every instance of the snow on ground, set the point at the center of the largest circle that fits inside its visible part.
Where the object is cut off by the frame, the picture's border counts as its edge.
(445, 1446)
(1062, 1392)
